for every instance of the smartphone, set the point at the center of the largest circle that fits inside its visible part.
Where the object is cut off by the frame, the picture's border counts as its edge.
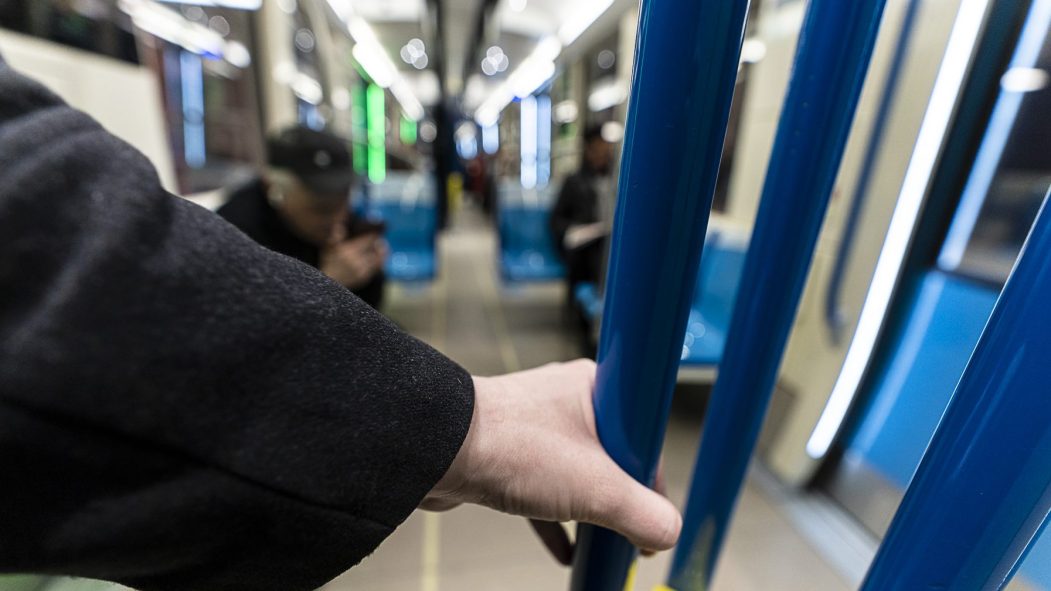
(359, 226)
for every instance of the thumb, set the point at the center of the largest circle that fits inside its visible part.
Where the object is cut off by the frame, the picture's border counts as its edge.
(644, 517)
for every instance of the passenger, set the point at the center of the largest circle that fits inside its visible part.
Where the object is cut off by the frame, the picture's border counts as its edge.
(182, 409)
(583, 215)
(300, 208)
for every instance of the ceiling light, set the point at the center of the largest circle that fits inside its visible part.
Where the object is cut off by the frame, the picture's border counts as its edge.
(566, 111)
(516, 5)
(381, 72)
(1024, 80)
(607, 95)
(753, 51)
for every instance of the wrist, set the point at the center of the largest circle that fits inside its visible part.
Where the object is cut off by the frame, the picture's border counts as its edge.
(464, 480)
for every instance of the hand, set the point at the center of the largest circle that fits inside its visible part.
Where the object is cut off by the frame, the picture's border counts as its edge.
(581, 234)
(353, 263)
(533, 450)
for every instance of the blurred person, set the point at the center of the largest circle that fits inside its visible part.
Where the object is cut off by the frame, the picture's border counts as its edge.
(582, 217)
(300, 208)
(183, 409)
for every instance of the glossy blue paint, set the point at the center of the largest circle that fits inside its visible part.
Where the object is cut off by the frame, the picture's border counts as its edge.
(831, 61)
(685, 70)
(983, 489)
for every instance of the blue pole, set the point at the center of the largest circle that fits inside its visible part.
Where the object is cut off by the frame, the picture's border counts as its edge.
(983, 489)
(830, 65)
(685, 70)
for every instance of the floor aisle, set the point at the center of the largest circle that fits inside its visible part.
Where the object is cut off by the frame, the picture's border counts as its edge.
(491, 329)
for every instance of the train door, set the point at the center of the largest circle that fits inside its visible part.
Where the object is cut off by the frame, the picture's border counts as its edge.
(967, 241)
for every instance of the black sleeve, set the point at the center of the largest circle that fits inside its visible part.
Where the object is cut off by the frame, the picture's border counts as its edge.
(181, 409)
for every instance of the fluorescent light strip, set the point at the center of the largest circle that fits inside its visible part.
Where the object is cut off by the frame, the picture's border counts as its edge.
(491, 139)
(236, 4)
(176, 29)
(936, 119)
(1000, 125)
(528, 142)
(543, 125)
(370, 55)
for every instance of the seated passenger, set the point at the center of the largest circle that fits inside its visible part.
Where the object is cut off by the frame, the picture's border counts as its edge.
(583, 215)
(299, 208)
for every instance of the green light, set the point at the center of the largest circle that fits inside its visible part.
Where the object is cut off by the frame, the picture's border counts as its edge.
(377, 133)
(359, 135)
(408, 131)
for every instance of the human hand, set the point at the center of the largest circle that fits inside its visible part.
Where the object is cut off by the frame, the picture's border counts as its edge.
(353, 263)
(533, 450)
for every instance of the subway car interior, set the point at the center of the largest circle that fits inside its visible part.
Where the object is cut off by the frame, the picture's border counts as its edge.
(554, 179)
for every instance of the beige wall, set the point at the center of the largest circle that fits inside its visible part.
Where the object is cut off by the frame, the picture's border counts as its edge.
(124, 98)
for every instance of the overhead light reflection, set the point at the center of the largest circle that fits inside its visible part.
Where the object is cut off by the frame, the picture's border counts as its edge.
(947, 85)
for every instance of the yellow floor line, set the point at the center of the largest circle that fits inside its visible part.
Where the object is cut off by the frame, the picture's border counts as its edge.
(431, 544)
(432, 521)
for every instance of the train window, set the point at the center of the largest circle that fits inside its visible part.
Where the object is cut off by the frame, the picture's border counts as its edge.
(92, 25)
(1010, 177)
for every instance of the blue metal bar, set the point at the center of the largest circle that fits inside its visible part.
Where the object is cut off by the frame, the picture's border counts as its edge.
(831, 62)
(983, 489)
(686, 63)
(835, 319)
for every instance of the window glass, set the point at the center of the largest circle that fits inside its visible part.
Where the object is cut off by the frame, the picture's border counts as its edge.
(1010, 178)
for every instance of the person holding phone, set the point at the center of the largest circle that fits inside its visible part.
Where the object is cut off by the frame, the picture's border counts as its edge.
(299, 208)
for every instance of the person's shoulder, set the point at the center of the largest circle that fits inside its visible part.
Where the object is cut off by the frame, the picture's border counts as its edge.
(244, 205)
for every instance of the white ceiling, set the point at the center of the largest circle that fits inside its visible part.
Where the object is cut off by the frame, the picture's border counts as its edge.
(518, 27)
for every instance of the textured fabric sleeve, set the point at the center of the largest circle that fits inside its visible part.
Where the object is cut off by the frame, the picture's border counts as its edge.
(181, 409)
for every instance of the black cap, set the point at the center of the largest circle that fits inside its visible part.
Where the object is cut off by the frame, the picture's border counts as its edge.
(318, 158)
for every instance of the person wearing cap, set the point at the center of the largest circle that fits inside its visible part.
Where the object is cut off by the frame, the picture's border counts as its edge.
(182, 409)
(299, 208)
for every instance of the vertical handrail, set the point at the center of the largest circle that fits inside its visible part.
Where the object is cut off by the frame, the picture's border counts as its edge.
(835, 47)
(983, 489)
(686, 63)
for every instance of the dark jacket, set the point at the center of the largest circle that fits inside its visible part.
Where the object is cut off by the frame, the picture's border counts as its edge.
(577, 204)
(180, 408)
(249, 209)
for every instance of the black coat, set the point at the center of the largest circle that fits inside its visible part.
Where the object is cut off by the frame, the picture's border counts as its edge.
(249, 209)
(181, 408)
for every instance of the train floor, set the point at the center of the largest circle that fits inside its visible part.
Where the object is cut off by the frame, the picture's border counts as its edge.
(493, 329)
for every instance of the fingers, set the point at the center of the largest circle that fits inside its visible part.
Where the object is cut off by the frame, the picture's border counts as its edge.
(555, 539)
(644, 517)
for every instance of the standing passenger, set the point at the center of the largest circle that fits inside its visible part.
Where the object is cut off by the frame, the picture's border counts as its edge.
(582, 217)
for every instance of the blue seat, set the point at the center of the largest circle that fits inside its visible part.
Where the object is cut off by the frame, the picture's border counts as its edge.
(527, 251)
(720, 275)
(406, 204)
(713, 302)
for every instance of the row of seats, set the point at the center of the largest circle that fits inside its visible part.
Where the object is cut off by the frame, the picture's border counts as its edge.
(527, 253)
(406, 203)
